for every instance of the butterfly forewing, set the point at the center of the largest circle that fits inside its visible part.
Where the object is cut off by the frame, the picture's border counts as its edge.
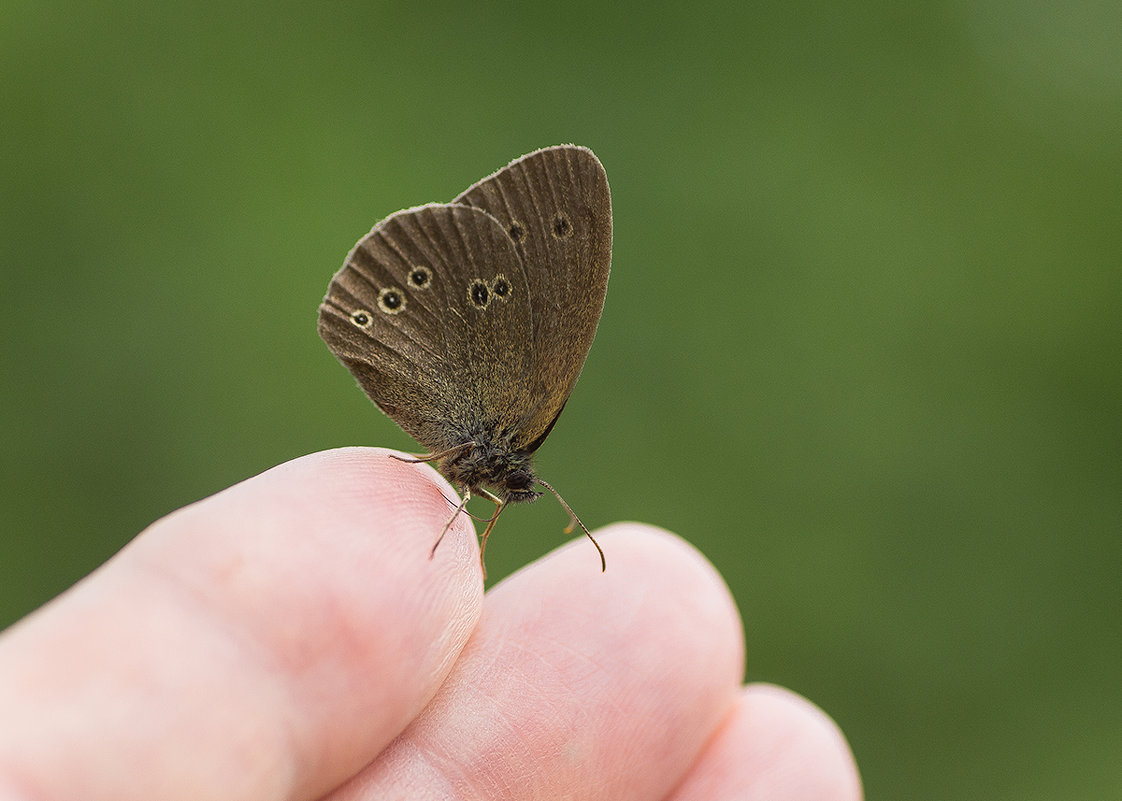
(555, 207)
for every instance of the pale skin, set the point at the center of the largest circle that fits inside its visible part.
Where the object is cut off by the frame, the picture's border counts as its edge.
(290, 638)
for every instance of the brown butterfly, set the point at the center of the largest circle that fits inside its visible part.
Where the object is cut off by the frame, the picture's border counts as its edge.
(468, 322)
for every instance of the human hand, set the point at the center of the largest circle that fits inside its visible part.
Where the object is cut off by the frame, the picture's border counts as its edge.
(289, 638)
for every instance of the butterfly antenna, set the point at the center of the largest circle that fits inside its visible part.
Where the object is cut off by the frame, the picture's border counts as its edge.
(574, 520)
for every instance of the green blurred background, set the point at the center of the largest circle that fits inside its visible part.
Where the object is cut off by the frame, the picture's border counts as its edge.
(861, 343)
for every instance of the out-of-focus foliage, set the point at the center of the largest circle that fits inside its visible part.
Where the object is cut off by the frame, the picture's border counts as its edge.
(862, 342)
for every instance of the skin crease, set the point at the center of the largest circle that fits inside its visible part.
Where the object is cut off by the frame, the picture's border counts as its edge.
(289, 638)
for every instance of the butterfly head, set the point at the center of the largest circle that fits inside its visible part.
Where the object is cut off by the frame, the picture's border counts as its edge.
(519, 484)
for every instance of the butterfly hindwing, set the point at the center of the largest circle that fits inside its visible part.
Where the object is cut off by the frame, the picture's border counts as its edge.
(431, 314)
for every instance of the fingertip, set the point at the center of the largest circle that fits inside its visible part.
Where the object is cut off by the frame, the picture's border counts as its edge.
(322, 567)
(573, 680)
(808, 735)
(778, 744)
(280, 633)
(662, 632)
(652, 561)
(349, 528)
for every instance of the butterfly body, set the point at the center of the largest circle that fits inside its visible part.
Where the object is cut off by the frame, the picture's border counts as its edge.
(486, 463)
(468, 322)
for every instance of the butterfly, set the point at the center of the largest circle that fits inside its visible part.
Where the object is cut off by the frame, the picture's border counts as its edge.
(468, 323)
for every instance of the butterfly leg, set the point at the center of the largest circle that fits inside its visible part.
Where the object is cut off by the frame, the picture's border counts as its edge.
(500, 504)
(423, 458)
(451, 520)
(419, 458)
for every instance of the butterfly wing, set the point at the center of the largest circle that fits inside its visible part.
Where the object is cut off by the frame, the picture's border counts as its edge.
(555, 208)
(431, 314)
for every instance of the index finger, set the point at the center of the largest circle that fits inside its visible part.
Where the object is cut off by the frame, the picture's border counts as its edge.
(263, 643)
